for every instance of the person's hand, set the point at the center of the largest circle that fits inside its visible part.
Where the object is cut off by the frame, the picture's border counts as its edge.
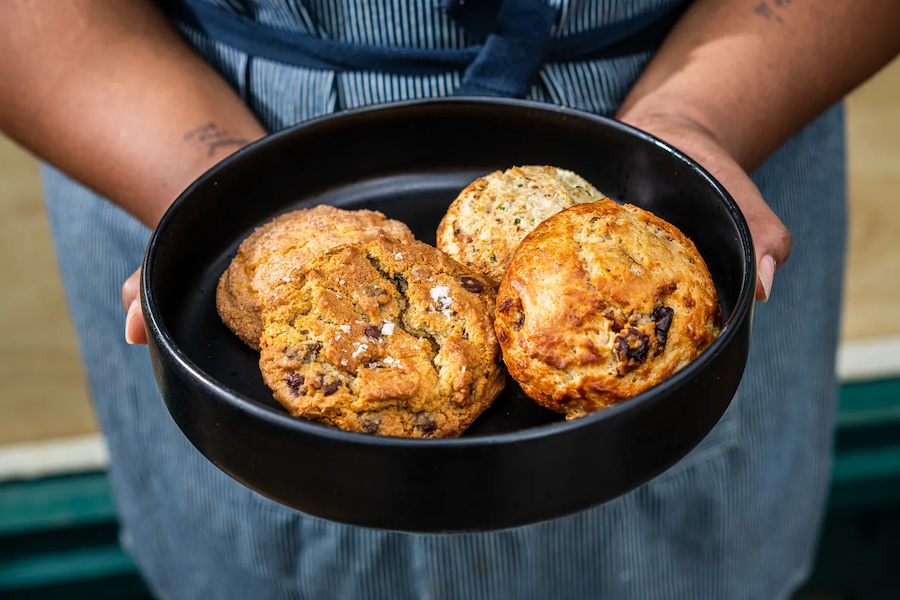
(771, 238)
(135, 333)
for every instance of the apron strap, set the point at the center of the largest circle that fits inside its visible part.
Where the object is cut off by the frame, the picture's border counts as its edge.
(515, 41)
(512, 56)
(310, 51)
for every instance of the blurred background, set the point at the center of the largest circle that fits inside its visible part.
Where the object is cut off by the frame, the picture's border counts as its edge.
(57, 527)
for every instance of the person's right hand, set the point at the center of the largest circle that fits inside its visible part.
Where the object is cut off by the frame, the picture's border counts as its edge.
(135, 332)
(771, 239)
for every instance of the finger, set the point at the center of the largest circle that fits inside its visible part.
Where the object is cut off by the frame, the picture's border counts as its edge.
(771, 238)
(131, 289)
(765, 278)
(772, 243)
(135, 331)
(772, 250)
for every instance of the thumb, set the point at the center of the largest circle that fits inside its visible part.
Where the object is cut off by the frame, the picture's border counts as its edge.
(765, 270)
(772, 241)
(135, 332)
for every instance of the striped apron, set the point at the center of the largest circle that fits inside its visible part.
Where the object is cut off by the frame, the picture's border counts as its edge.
(737, 518)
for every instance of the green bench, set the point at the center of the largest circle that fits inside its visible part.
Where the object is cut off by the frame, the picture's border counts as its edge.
(58, 535)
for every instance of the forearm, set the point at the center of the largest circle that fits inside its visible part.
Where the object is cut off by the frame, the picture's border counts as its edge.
(752, 73)
(106, 91)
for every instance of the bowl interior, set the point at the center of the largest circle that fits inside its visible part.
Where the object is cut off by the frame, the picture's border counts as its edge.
(410, 161)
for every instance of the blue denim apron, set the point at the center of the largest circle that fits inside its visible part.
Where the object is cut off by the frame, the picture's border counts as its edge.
(737, 518)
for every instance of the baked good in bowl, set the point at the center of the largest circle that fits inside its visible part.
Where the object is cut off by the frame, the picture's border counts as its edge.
(285, 243)
(492, 215)
(601, 302)
(527, 463)
(386, 338)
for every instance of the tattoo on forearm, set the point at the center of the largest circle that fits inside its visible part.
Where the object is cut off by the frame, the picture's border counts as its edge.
(214, 138)
(771, 10)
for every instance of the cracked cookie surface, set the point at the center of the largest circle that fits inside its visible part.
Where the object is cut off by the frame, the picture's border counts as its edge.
(486, 222)
(277, 248)
(601, 302)
(384, 338)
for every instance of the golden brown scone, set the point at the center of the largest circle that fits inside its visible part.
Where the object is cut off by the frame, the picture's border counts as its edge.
(385, 338)
(274, 250)
(601, 302)
(488, 220)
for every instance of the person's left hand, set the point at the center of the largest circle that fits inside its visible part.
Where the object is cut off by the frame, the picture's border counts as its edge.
(771, 238)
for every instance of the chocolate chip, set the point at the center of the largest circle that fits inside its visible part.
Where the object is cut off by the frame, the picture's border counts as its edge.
(294, 381)
(400, 283)
(661, 312)
(502, 337)
(311, 351)
(426, 425)
(632, 347)
(662, 315)
(331, 388)
(470, 284)
(371, 425)
(373, 331)
(521, 320)
(689, 302)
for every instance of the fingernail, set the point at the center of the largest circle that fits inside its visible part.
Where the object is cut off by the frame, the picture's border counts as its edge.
(766, 275)
(133, 310)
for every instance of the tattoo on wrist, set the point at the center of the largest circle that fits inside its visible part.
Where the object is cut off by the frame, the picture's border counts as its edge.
(214, 138)
(770, 9)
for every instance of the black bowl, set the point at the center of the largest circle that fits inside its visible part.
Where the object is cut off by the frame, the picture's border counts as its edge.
(519, 463)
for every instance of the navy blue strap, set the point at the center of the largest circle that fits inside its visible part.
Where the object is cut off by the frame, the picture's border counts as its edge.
(302, 50)
(513, 53)
(514, 40)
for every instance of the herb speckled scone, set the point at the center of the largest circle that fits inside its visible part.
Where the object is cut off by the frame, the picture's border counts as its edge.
(487, 221)
(385, 338)
(601, 302)
(274, 250)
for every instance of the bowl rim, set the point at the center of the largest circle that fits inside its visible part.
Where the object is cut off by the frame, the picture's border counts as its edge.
(252, 408)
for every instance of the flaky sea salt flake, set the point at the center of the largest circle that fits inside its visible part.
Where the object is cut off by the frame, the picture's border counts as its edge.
(439, 294)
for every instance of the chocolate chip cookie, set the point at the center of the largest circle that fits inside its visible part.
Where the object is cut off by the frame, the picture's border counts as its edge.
(277, 248)
(383, 338)
(601, 302)
(490, 217)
